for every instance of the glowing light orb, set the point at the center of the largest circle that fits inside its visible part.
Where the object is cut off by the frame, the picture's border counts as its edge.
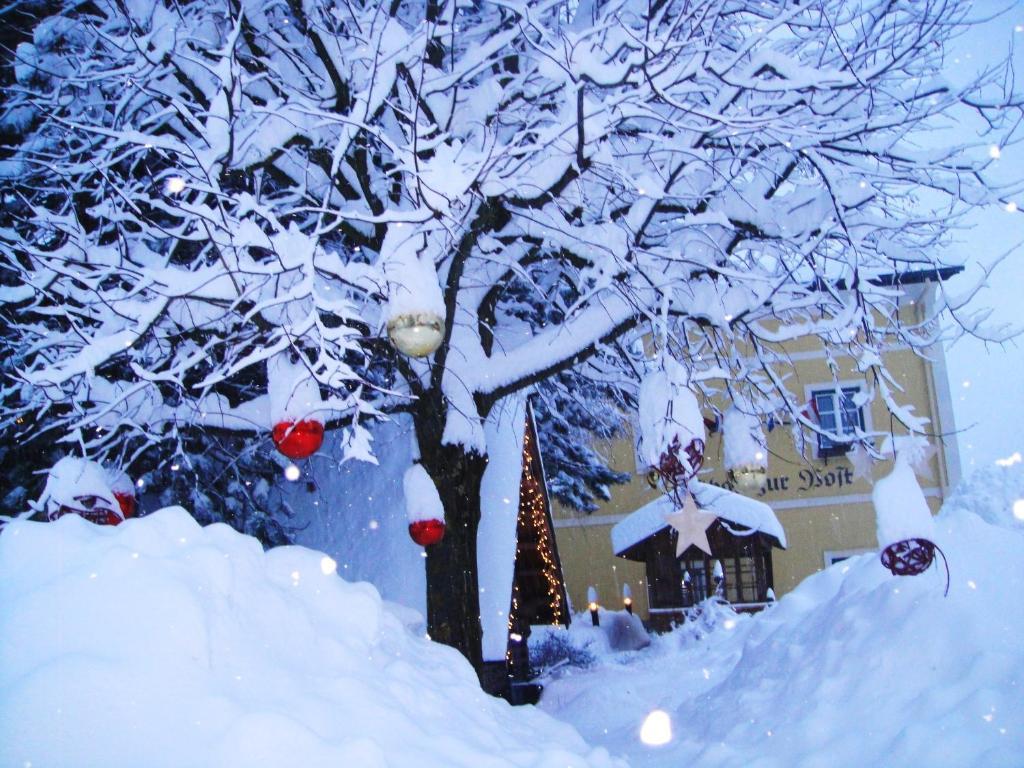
(1009, 461)
(174, 185)
(657, 729)
(1018, 509)
(292, 472)
(328, 565)
(994, 152)
(1011, 207)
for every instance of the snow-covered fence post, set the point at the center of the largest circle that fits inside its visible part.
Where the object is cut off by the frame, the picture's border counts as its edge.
(718, 576)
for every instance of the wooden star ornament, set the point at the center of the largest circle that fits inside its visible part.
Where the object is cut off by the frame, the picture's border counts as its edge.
(692, 526)
(861, 461)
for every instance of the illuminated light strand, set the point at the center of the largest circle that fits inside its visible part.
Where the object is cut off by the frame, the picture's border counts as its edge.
(532, 511)
(533, 497)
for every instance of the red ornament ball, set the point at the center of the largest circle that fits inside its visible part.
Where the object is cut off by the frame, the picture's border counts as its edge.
(127, 503)
(298, 440)
(426, 532)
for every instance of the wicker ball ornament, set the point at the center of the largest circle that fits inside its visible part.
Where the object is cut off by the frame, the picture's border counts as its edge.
(671, 471)
(912, 557)
(91, 508)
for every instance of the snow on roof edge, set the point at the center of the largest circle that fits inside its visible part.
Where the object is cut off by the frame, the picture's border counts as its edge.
(727, 505)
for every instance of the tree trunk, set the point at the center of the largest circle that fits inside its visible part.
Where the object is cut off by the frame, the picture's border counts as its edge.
(453, 600)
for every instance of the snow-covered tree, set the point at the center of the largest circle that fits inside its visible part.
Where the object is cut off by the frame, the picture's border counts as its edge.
(201, 188)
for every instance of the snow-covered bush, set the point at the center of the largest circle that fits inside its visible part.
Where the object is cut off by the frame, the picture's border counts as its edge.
(557, 651)
(162, 643)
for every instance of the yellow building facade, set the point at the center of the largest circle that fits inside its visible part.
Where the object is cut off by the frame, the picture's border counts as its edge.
(825, 509)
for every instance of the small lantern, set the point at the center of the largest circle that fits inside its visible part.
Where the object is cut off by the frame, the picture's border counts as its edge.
(592, 605)
(416, 334)
(627, 598)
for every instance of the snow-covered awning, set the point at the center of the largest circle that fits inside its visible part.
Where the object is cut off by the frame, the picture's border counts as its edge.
(723, 504)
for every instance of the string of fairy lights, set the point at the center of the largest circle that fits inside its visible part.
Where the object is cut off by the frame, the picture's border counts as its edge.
(533, 509)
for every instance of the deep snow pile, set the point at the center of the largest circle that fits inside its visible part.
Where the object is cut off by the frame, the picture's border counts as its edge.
(161, 643)
(856, 667)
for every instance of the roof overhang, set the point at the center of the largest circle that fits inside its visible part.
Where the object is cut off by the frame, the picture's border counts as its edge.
(726, 505)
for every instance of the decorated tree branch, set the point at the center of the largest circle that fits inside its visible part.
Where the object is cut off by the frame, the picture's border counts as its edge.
(511, 192)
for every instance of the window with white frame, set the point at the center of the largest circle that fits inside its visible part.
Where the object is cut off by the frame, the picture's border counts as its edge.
(837, 556)
(838, 413)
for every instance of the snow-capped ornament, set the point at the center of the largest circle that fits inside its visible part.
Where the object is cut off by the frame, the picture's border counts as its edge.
(294, 397)
(416, 334)
(426, 532)
(423, 507)
(298, 439)
(746, 451)
(80, 487)
(415, 310)
(672, 436)
(905, 526)
(124, 491)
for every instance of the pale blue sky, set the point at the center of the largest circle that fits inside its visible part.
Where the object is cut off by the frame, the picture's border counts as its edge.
(987, 381)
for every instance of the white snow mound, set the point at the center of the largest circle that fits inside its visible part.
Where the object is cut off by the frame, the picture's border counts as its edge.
(856, 667)
(162, 643)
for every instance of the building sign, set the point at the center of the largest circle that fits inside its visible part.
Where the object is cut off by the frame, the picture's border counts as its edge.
(807, 480)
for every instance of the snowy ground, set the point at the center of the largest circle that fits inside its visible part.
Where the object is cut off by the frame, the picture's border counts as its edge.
(854, 668)
(160, 643)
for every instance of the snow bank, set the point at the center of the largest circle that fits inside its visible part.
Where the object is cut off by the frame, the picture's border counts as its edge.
(855, 667)
(160, 643)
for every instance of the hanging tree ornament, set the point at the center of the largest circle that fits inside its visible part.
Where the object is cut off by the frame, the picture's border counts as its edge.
(691, 526)
(671, 443)
(294, 398)
(415, 310)
(746, 451)
(80, 487)
(423, 507)
(905, 526)
(124, 491)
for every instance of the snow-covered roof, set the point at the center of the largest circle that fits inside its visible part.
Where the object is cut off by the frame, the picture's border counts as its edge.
(725, 505)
